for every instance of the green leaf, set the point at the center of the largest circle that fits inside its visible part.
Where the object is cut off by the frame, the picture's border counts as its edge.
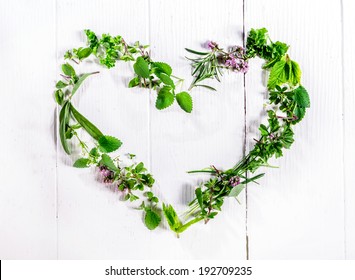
(61, 84)
(300, 113)
(139, 167)
(163, 67)
(165, 98)
(108, 144)
(79, 82)
(206, 86)
(172, 218)
(277, 74)
(107, 161)
(68, 70)
(64, 116)
(165, 79)
(196, 52)
(134, 82)
(86, 124)
(198, 193)
(151, 219)
(59, 96)
(81, 163)
(296, 73)
(84, 53)
(94, 152)
(141, 68)
(301, 97)
(236, 190)
(185, 101)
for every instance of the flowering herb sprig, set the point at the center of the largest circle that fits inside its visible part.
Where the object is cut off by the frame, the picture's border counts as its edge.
(130, 179)
(148, 73)
(210, 65)
(288, 99)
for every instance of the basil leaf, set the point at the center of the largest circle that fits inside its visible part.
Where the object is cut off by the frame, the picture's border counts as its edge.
(68, 70)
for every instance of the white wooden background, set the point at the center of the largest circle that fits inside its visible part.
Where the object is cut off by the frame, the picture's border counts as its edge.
(303, 210)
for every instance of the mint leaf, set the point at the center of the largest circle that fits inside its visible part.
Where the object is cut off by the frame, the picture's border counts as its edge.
(277, 74)
(301, 97)
(141, 68)
(299, 112)
(165, 79)
(185, 101)
(107, 161)
(163, 67)
(68, 70)
(165, 98)
(236, 190)
(84, 53)
(151, 219)
(81, 163)
(108, 144)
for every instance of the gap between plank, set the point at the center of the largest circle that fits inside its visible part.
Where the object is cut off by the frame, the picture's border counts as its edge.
(245, 147)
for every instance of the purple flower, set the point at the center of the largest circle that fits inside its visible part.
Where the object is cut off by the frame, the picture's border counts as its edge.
(106, 174)
(243, 66)
(211, 45)
(234, 181)
(231, 61)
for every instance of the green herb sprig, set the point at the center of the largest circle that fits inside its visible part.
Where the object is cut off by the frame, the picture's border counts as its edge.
(149, 74)
(289, 100)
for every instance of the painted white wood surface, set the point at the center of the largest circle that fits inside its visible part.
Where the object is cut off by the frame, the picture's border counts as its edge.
(28, 155)
(50, 210)
(349, 117)
(298, 211)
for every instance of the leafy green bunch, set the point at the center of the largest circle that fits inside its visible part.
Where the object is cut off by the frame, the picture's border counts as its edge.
(148, 74)
(288, 100)
(129, 179)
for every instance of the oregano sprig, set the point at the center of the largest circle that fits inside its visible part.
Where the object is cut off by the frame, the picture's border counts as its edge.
(148, 73)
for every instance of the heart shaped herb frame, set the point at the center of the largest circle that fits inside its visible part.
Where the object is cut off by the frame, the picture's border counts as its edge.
(288, 101)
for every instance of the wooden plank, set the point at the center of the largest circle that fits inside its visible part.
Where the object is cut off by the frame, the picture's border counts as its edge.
(212, 134)
(298, 211)
(27, 190)
(93, 222)
(349, 115)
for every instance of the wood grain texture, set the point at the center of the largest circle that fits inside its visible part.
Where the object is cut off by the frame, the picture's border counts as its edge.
(298, 211)
(27, 176)
(349, 117)
(303, 210)
(212, 134)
